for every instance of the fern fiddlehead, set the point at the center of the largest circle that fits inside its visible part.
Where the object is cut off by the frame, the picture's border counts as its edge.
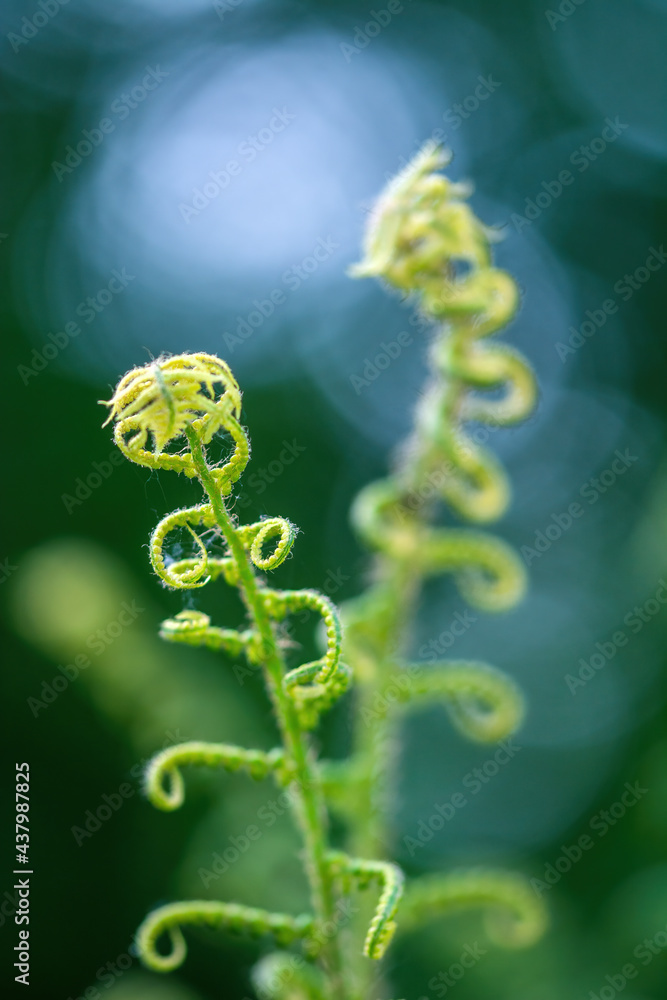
(424, 240)
(183, 402)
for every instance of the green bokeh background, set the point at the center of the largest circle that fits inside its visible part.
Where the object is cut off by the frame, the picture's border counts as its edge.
(68, 572)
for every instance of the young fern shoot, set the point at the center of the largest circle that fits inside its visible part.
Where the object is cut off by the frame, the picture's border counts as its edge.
(184, 401)
(424, 240)
(166, 416)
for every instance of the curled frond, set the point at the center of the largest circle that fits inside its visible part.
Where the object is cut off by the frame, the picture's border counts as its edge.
(484, 296)
(424, 238)
(391, 879)
(272, 529)
(161, 399)
(169, 919)
(311, 699)
(515, 916)
(216, 567)
(503, 367)
(483, 703)
(194, 629)
(179, 576)
(285, 602)
(164, 781)
(224, 476)
(488, 572)
(467, 477)
(419, 224)
(314, 686)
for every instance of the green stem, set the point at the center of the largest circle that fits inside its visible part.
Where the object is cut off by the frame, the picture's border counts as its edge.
(373, 742)
(309, 809)
(401, 586)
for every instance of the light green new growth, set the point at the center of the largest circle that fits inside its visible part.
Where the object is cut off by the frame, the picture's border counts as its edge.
(424, 240)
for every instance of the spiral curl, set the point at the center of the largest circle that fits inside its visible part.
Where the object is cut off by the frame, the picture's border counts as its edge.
(167, 765)
(168, 919)
(194, 629)
(515, 916)
(315, 686)
(159, 401)
(391, 879)
(483, 703)
(487, 571)
(256, 536)
(190, 573)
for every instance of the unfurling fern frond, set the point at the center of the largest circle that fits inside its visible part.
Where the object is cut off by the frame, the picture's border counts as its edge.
(424, 240)
(181, 403)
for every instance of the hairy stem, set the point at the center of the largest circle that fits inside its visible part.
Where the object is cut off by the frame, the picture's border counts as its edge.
(420, 234)
(309, 808)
